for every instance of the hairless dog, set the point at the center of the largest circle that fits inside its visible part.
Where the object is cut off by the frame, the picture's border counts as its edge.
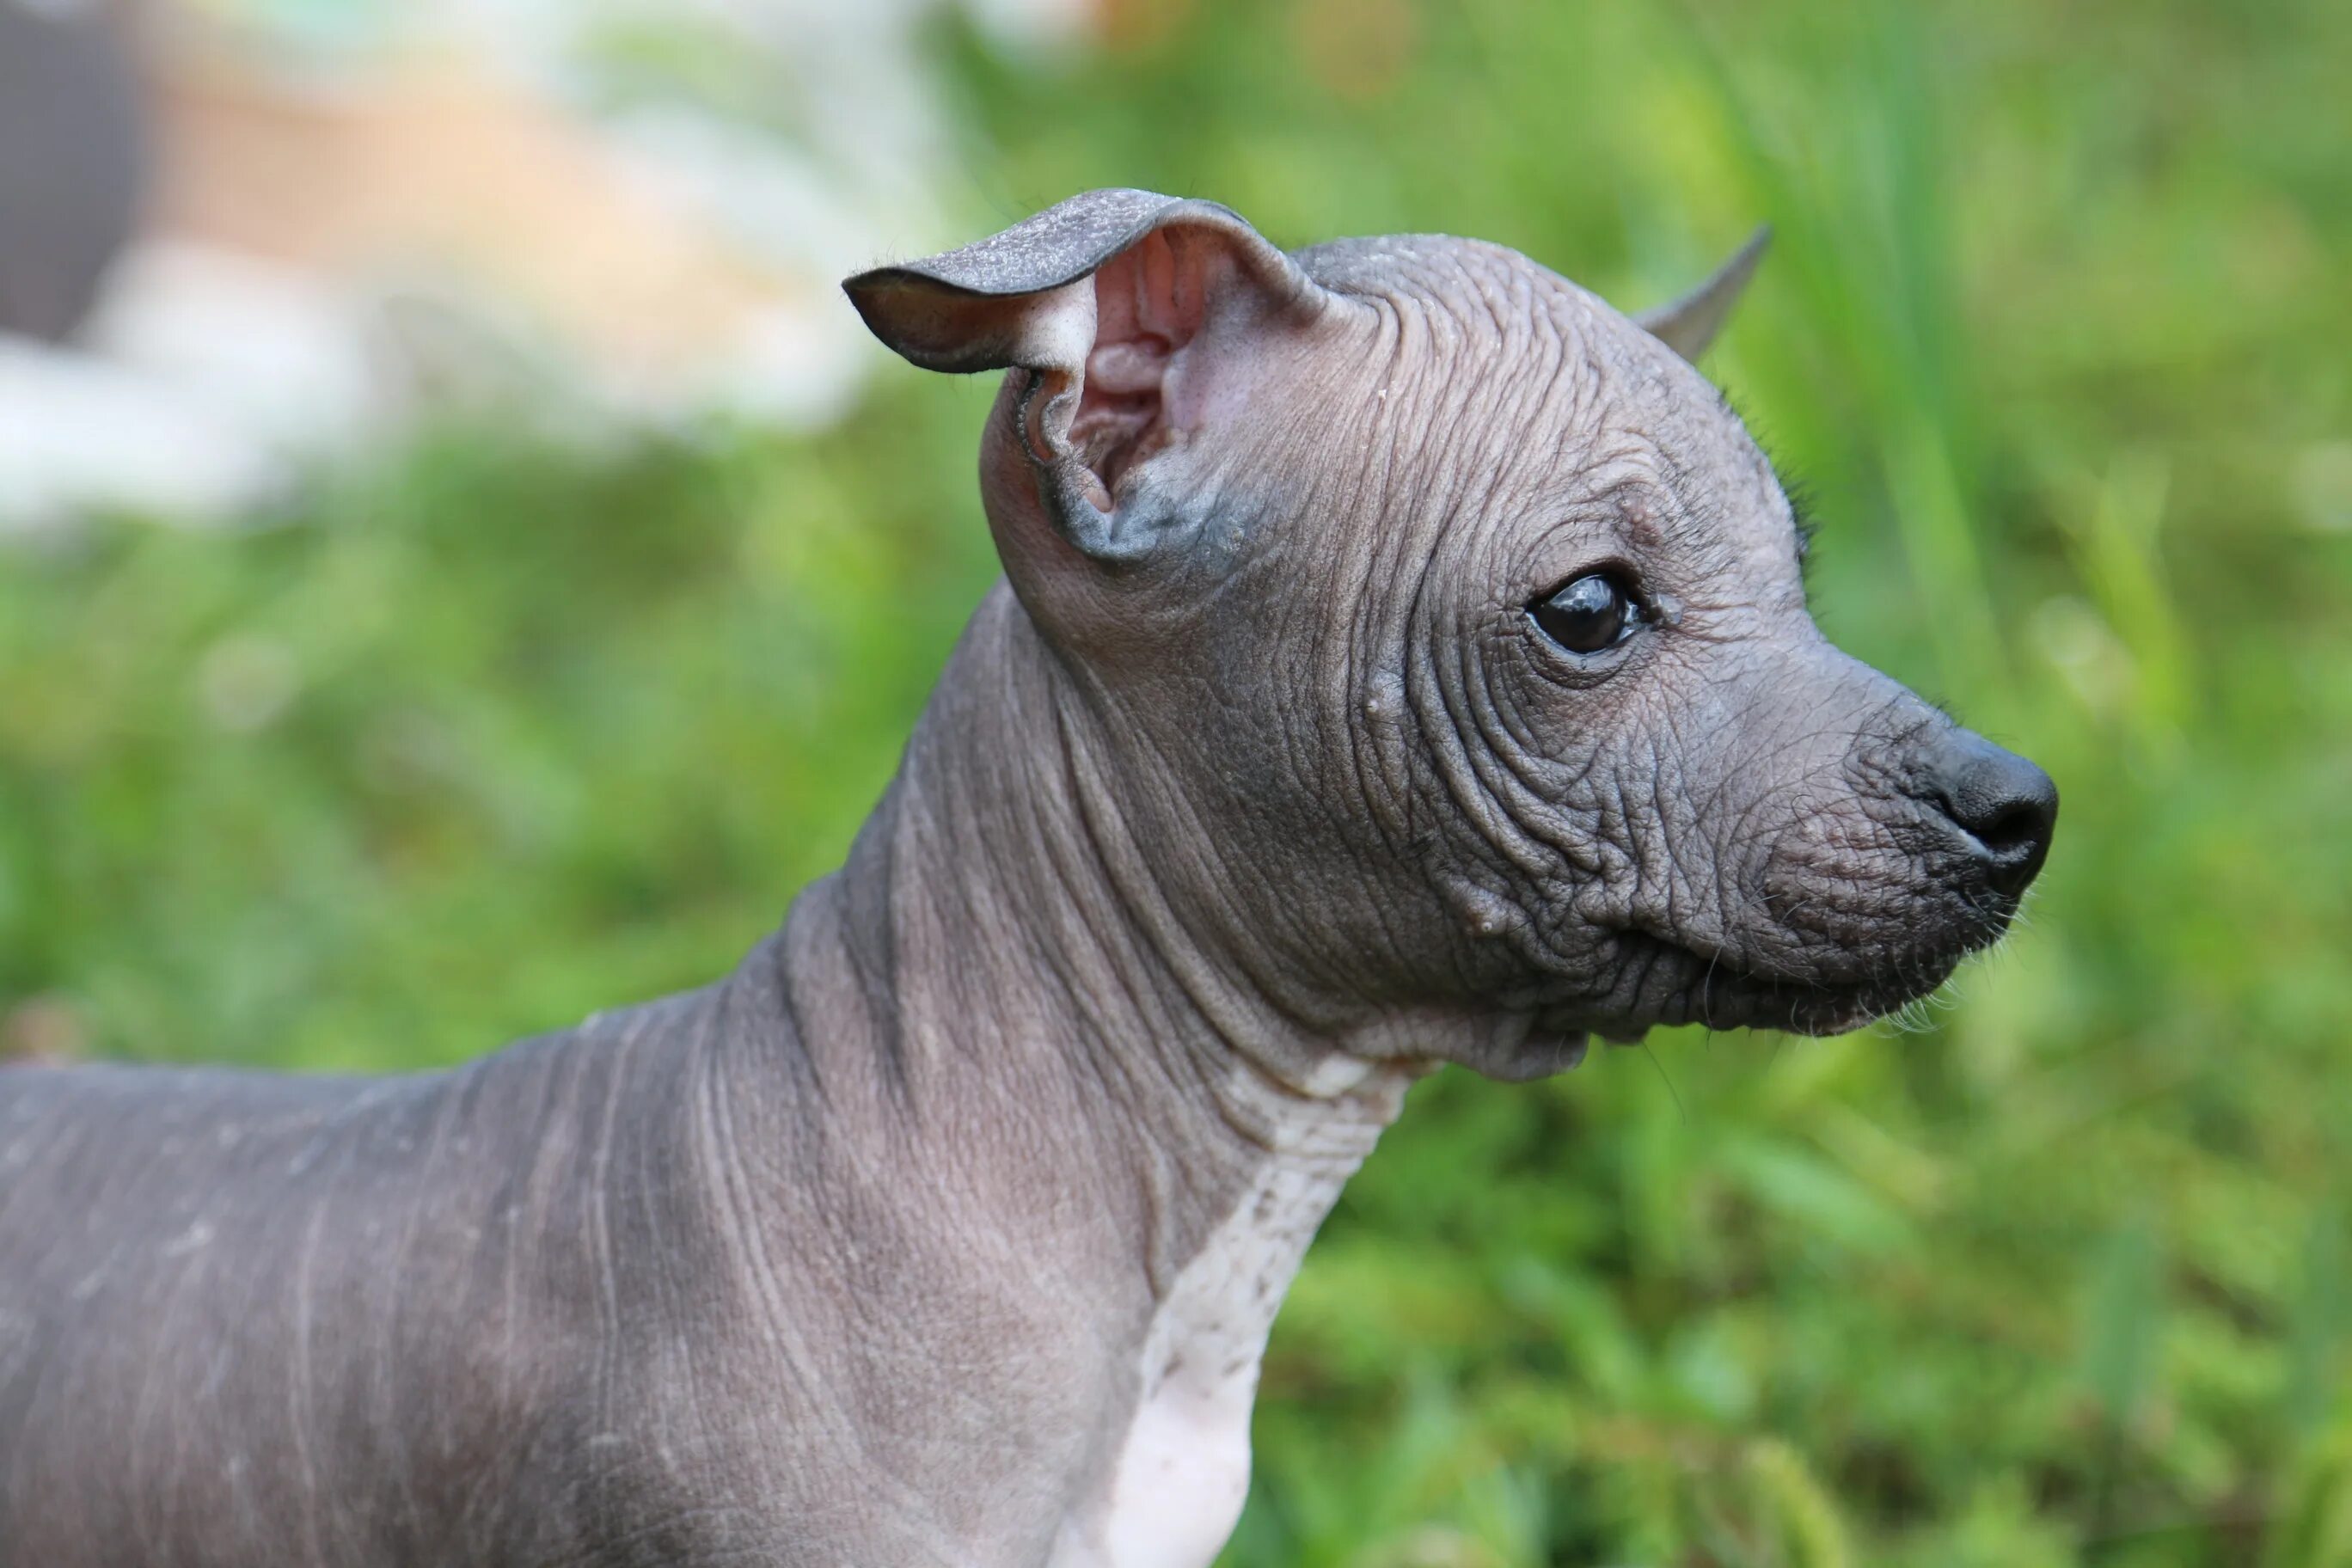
(1402, 659)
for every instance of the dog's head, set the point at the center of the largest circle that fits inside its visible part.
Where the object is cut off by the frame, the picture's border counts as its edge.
(1448, 638)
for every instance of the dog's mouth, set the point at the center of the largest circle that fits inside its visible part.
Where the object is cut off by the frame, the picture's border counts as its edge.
(1666, 983)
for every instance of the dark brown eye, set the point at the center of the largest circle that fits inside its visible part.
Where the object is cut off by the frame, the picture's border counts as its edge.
(1589, 615)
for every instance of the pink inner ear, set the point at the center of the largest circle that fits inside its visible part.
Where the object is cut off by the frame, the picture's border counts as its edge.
(1149, 302)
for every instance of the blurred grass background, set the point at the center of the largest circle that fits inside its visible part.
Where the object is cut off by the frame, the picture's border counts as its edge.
(499, 731)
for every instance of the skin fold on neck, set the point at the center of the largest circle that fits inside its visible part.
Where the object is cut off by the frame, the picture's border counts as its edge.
(992, 988)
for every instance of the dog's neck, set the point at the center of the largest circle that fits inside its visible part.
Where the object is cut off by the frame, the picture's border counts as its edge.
(1011, 939)
(993, 986)
(1000, 873)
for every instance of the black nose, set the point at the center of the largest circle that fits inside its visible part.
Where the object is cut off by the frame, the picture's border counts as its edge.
(2004, 803)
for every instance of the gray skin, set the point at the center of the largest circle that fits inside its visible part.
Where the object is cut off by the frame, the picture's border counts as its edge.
(1254, 791)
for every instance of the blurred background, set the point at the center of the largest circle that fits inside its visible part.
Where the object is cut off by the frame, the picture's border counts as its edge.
(461, 566)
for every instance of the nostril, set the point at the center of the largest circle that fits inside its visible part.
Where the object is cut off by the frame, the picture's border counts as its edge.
(2017, 822)
(2003, 802)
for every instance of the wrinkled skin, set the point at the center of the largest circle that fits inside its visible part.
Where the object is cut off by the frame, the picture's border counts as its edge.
(1325, 660)
(949, 1227)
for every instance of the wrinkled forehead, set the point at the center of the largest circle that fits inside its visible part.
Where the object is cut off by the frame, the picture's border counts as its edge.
(1558, 399)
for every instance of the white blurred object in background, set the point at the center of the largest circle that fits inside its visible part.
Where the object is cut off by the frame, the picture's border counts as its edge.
(601, 207)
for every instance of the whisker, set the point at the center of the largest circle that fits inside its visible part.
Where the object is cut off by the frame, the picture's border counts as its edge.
(1668, 1079)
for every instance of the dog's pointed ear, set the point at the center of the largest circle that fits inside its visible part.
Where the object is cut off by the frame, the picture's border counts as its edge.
(1688, 324)
(1119, 312)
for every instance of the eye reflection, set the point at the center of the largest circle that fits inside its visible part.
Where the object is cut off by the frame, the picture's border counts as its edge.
(1591, 614)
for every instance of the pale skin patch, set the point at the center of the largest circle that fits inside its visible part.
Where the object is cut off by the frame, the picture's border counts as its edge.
(1182, 1470)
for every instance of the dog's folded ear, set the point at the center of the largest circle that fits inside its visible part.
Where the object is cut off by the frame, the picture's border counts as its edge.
(1119, 311)
(1688, 324)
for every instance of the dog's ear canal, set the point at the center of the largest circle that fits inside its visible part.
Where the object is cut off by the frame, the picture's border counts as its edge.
(1119, 311)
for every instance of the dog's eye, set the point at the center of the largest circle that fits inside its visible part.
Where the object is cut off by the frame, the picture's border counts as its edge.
(1589, 615)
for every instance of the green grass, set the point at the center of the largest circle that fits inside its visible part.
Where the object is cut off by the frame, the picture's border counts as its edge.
(2056, 334)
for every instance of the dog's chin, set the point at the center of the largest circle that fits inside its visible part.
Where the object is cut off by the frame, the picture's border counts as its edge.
(1678, 986)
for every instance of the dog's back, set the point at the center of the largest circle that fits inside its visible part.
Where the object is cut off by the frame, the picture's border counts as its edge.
(529, 1310)
(203, 1336)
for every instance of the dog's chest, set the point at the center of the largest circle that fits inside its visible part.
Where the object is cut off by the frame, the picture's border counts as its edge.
(1181, 1470)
